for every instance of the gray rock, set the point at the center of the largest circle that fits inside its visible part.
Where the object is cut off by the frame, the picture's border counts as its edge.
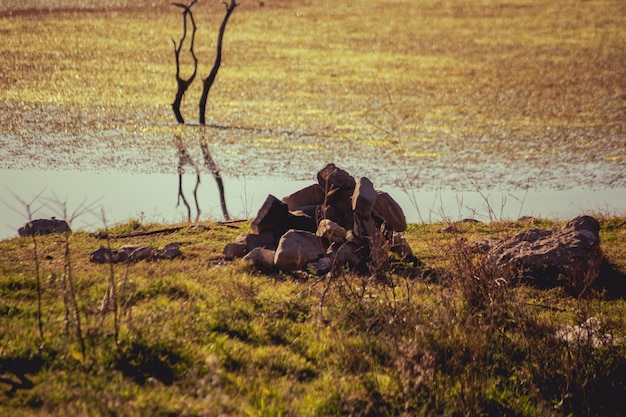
(250, 240)
(101, 255)
(333, 178)
(296, 248)
(270, 216)
(261, 258)
(312, 195)
(234, 250)
(169, 251)
(573, 250)
(138, 253)
(331, 231)
(348, 254)
(390, 211)
(320, 267)
(43, 227)
(400, 246)
(104, 255)
(364, 197)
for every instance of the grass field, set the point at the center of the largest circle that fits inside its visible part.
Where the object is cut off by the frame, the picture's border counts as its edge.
(429, 92)
(197, 336)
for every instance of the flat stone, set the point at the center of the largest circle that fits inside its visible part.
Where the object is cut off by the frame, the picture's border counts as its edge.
(573, 250)
(312, 195)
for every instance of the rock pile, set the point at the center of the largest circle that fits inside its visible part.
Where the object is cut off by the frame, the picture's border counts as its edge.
(338, 221)
(132, 253)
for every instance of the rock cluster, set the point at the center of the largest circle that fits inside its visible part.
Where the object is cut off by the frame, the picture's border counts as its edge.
(337, 221)
(43, 227)
(133, 253)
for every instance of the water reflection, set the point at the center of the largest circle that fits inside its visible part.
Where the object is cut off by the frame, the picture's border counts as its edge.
(184, 160)
(125, 196)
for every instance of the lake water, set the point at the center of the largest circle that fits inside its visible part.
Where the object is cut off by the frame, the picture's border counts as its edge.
(118, 197)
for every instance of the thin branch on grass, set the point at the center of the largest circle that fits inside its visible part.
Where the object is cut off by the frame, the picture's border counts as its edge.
(106, 235)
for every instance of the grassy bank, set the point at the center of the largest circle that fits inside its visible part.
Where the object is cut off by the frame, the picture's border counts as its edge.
(199, 336)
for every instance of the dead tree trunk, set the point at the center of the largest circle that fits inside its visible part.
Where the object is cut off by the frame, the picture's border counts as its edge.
(208, 82)
(183, 84)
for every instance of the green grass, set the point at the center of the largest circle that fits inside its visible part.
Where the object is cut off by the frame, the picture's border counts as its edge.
(197, 336)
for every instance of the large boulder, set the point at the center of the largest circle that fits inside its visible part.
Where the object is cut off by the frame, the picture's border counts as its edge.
(270, 216)
(573, 250)
(43, 227)
(332, 178)
(296, 248)
(364, 197)
(390, 211)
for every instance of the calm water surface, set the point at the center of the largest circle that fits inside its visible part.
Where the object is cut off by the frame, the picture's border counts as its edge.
(116, 197)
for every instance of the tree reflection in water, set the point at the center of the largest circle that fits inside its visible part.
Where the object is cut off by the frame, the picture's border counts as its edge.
(185, 159)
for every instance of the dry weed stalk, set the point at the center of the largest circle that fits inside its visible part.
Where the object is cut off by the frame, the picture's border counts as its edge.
(70, 297)
(30, 212)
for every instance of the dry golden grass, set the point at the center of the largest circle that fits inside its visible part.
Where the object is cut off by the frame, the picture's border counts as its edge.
(498, 89)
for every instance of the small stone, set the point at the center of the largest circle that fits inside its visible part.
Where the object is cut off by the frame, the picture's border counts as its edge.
(320, 267)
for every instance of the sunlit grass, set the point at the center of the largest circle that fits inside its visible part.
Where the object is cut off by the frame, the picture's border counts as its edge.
(452, 72)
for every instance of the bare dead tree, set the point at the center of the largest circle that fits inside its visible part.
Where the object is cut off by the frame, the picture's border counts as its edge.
(212, 166)
(183, 84)
(208, 82)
